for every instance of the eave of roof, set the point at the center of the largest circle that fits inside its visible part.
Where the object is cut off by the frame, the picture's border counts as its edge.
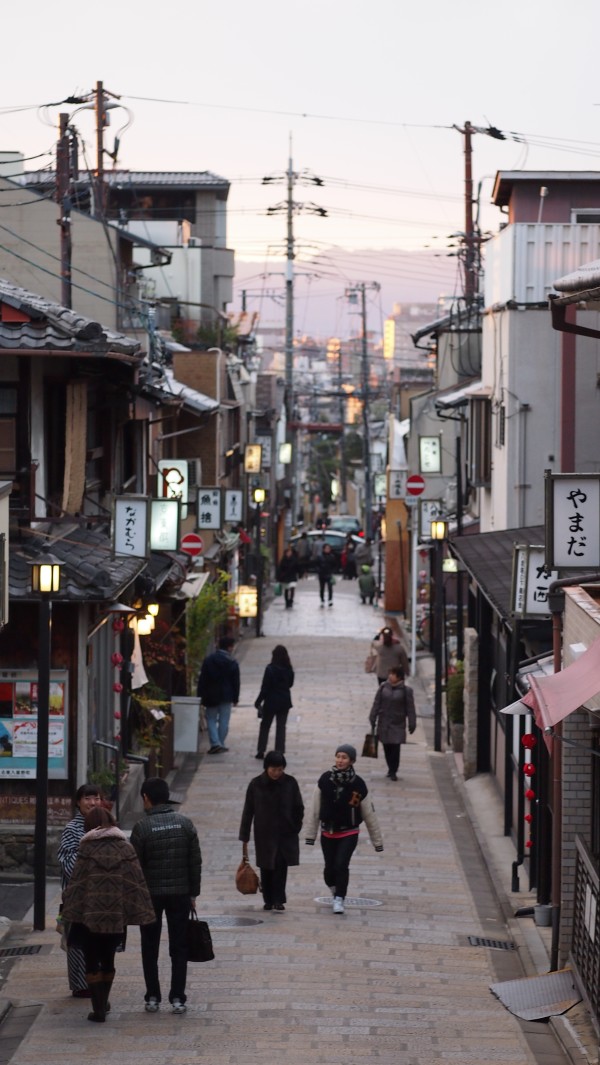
(181, 179)
(506, 179)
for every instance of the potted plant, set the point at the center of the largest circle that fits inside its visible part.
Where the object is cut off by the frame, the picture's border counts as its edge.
(455, 706)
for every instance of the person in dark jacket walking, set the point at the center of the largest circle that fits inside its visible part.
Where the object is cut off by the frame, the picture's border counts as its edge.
(105, 893)
(274, 699)
(86, 798)
(326, 565)
(287, 574)
(274, 804)
(167, 846)
(219, 689)
(393, 708)
(341, 803)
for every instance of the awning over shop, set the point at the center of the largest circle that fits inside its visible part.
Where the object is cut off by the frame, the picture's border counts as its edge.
(555, 697)
(488, 557)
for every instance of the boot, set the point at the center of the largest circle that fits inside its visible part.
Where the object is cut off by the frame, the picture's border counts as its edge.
(96, 986)
(108, 982)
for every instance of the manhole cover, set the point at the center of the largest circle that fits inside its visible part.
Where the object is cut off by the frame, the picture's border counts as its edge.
(232, 922)
(365, 904)
(18, 952)
(497, 944)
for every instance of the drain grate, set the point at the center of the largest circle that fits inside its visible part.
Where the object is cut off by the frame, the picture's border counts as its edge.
(496, 944)
(232, 922)
(18, 952)
(365, 904)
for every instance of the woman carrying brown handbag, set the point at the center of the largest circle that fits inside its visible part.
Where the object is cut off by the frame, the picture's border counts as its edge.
(274, 805)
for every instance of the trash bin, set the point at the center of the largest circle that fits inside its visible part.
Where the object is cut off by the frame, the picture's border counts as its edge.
(186, 722)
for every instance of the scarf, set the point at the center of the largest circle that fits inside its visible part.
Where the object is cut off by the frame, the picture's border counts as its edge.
(341, 777)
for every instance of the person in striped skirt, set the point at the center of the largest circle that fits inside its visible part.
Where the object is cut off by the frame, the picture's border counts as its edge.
(87, 797)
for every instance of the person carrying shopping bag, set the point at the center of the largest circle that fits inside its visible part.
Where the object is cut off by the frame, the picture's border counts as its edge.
(393, 708)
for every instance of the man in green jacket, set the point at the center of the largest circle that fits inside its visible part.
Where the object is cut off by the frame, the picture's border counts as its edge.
(167, 846)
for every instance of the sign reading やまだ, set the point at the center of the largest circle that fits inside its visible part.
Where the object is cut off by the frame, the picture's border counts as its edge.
(572, 520)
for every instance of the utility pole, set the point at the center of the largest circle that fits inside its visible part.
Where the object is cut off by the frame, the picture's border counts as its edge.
(471, 271)
(352, 293)
(291, 207)
(63, 198)
(343, 479)
(99, 175)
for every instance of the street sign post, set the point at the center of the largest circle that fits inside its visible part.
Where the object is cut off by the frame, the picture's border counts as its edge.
(192, 544)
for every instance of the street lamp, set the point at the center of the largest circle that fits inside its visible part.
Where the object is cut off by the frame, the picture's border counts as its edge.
(439, 533)
(259, 495)
(45, 581)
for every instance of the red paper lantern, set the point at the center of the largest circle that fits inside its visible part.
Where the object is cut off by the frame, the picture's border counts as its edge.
(117, 735)
(529, 769)
(529, 741)
(117, 686)
(117, 716)
(118, 625)
(530, 794)
(529, 843)
(116, 659)
(529, 818)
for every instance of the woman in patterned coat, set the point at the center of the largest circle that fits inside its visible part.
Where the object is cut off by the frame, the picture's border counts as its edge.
(107, 891)
(86, 798)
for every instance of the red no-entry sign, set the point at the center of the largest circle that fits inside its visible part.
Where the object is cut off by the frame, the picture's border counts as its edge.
(192, 544)
(415, 484)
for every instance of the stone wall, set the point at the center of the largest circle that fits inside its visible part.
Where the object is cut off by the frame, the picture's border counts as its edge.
(470, 696)
(16, 849)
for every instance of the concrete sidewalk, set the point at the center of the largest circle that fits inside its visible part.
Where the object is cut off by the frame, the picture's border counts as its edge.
(394, 980)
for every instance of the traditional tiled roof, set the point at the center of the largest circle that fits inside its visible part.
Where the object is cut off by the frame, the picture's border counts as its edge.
(176, 179)
(90, 573)
(52, 326)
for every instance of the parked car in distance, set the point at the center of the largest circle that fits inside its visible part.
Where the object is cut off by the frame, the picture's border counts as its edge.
(345, 523)
(333, 537)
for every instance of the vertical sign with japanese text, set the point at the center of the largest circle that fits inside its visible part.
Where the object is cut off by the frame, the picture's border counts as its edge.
(572, 520)
(531, 581)
(209, 508)
(131, 526)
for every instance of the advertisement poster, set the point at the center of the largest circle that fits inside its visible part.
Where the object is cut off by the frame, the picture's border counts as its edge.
(19, 724)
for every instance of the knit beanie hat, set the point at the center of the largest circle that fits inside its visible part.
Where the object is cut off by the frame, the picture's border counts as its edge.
(347, 748)
(274, 759)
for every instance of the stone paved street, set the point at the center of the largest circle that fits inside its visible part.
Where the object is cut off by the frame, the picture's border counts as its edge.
(396, 982)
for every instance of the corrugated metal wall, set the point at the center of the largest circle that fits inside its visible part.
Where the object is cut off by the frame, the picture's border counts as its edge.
(524, 260)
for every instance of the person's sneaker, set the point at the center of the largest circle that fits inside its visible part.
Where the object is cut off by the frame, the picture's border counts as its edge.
(177, 1006)
(338, 904)
(393, 776)
(223, 747)
(152, 1005)
(330, 602)
(214, 750)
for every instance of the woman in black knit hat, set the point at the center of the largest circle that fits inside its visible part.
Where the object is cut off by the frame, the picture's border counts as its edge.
(274, 804)
(340, 805)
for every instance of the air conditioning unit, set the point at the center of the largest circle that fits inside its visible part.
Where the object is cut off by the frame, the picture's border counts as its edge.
(194, 474)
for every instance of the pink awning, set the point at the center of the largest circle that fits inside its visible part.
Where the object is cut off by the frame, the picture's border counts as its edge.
(555, 697)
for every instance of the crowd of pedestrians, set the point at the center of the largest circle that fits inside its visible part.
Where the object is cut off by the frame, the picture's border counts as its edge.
(110, 883)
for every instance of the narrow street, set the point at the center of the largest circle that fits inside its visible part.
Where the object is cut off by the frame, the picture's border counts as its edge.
(394, 980)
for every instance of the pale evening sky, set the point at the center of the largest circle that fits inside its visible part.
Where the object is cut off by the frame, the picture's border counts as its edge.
(369, 93)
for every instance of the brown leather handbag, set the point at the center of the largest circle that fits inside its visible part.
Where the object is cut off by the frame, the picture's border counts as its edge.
(246, 878)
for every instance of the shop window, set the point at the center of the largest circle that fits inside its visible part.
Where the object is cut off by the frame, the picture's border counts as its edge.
(480, 441)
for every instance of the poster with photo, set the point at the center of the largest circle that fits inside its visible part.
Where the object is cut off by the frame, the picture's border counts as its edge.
(19, 724)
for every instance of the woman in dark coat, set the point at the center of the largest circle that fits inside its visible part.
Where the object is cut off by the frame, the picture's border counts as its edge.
(106, 892)
(274, 700)
(274, 804)
(393, 707)
(287, 574)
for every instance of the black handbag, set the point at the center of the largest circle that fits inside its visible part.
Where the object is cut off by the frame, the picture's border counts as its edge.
(370, 746)
(199, 939)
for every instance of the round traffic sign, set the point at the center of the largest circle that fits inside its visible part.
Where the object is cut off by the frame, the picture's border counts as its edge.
(415, 484)
(192, 544)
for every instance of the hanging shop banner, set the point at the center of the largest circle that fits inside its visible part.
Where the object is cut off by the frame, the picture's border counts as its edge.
(572, 520)
(131, 526)
(209, 508)
(164, 524)
(530, 581)
(173, 481)
(19, 724)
